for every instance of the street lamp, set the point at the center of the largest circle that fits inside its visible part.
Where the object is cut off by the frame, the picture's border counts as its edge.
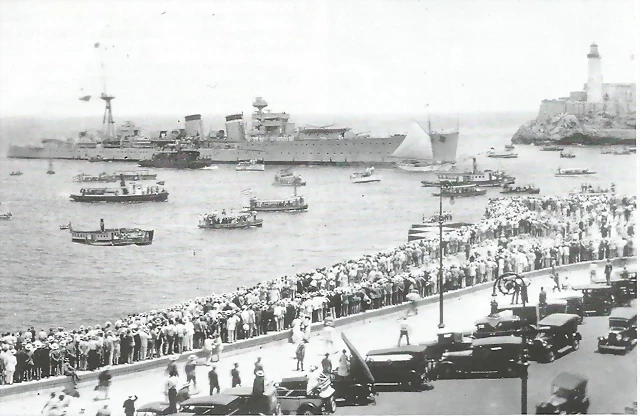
(510, 284)
(444, 186)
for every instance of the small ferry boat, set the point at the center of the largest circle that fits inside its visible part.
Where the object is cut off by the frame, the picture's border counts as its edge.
(94, 159)
(51, 171)
(367, 176)
(252, 165)
(528, 189)
(574, 172)
(588, 189)
(509, 147)
(65, 226)
(506, 155)
(446, 216)
(113, 236)
(136, 175)
(567, 155)
(15, 173)
(415, 165)
(294, 203)
(552, 148)
(135, 193)
(488, 178)
(287, 178)
(215, 221)
(176, 159)
(461, 191)
(6, 216)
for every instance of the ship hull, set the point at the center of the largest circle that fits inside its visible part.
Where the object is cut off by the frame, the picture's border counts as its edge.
(161, 197)
(250, 224)
(370, 151)
(300, 208)
(461, 194)
(169, 165)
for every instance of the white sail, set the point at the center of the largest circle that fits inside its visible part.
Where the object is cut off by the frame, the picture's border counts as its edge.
(415, 145)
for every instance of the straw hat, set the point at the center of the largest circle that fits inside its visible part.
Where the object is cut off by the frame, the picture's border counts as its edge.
(192, 358)
(259, 373)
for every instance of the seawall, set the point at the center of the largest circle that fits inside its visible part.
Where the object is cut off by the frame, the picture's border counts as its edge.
(90, 378)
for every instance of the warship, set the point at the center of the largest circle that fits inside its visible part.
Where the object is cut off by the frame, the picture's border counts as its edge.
(269, 136)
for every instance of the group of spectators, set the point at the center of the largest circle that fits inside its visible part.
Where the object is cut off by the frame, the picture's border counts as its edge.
(516, 234)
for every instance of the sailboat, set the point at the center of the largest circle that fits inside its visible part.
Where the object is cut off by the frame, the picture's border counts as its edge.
(444, 146)
(51, 171)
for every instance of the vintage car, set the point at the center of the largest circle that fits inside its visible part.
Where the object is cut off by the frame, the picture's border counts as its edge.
(501, 325)
(294, 398)
(162, 408)
(623, 327)
(236, 400)
(406, 365)
(597, 299)
(624, 291)
(568, 396)
(447, 341)
(569, 302)
(557, 334)
(359, 386)
(492, 355)
(530, 314)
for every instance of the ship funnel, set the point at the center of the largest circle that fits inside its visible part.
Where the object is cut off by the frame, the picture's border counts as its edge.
(193, 126)
(235, 127)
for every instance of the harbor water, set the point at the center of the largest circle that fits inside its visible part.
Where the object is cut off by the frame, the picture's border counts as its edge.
(45, 280)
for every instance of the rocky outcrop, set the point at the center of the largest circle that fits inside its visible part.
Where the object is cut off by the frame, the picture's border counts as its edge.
(596, 129)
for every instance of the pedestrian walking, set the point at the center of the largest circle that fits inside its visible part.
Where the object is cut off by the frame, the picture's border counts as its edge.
(214, 383)
(258, 365)
(172, 367)
(52, 400)
(235, 376)
(129, 405)
(208, 347)
(300, 352)
(104, 383)
(608, 268)
(190, 370)
(404, 331)
(217, 346)
(171, 390)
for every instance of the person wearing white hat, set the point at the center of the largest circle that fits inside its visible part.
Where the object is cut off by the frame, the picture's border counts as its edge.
(190, 370)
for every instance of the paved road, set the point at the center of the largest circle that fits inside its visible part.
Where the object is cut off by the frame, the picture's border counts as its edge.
(612, 378)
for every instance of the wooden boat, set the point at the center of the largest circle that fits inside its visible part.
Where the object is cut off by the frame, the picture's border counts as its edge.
(530, 189)
(488, 178)
(65, 226)
(294, 203)
(587, 189)
(461, 191)
(135, 193)
(253, 165)
(113, 237)
(552, 148)
(509, 147)
(136, 175)
(367, 176)
(287, 178)
(51, 171)
(16, 173)
(507, 155)
(244, 220)
(574, 172)
(567, 155)
(6, 216)
(160, 182)
(94, 159)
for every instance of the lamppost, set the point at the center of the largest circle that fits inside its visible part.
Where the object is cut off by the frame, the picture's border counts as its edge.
(510, 284)
(444, 186)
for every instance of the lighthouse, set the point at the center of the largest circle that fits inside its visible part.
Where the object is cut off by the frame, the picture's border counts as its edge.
(594, 80)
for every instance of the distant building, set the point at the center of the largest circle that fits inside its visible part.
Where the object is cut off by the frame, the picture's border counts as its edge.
(596, 96)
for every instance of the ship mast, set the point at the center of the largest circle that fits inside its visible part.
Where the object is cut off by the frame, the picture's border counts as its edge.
(107, 119)
(429, 118)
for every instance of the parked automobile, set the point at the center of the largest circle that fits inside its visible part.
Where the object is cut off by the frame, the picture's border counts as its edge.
(572, 304)
(624, 291)
(501, 325)
(359, 386)
(568, 396)
(623, 331)
(236, 400)
(557, 333)
(530, 314)
(447, 341)
(492, 355)
(597, 299)
(405, 365)
(294, 398)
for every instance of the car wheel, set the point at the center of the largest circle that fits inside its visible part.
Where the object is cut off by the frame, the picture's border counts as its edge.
(446, 372)
(417, 383)
(576, 345)
(332, 405)
(551, 356)
(305, 410)
(600, 350)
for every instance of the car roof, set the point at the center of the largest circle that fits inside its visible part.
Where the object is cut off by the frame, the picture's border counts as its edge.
(154, 407)
(569, 295)
(592, 286)
(502, 340)
(623, 313)
(220, 399)
(557, 319)
(569, 381)
(405, 349)
(493, 320)
(297, 379)
(247, 390)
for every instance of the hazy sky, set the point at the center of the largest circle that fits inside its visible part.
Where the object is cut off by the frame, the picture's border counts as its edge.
(311, 56)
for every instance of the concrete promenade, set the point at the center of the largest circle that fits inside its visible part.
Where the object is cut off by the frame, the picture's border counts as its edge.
(366, 332)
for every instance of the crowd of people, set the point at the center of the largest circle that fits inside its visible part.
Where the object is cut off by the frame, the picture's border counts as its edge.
(516, 235)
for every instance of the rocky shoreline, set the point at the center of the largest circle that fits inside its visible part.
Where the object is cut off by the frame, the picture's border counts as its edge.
(597, 130)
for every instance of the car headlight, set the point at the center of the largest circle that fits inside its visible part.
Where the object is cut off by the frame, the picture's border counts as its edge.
(618, 337)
